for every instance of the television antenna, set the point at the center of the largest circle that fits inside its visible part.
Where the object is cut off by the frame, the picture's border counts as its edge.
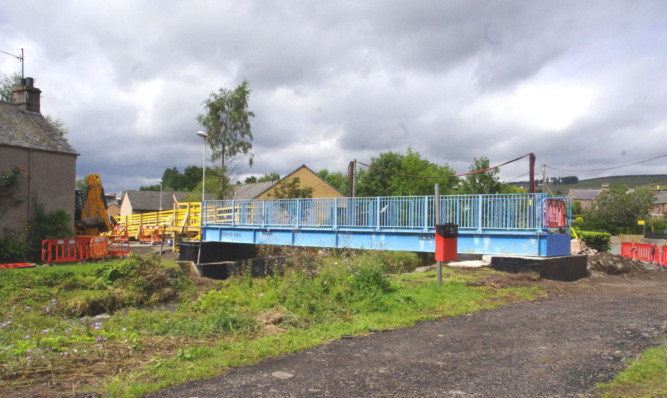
(19, 57)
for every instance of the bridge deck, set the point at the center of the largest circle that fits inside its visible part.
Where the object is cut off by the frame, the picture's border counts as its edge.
(521, 224)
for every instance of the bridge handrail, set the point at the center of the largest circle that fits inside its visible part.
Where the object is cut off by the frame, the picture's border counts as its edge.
(521, 212)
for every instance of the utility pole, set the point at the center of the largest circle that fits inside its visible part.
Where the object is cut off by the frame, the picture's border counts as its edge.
(544, 178)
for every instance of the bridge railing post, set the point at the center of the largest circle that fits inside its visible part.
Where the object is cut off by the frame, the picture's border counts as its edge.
(335, 214)
(298, 213)
(480, 210)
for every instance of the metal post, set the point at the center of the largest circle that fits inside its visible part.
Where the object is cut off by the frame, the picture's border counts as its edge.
(437, 220)
(203, 185)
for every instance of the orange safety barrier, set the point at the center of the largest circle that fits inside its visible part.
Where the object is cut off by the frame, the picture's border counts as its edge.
(627, 250)
(119, 246)
(644, 252)
(83, 248)
(99, 247)
(61, 250)
(16, 265)
(556, 213)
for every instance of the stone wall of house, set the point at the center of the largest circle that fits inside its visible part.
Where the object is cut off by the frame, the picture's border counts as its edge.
(49, 181)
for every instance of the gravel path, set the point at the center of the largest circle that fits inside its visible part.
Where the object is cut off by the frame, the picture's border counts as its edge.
(559, 346)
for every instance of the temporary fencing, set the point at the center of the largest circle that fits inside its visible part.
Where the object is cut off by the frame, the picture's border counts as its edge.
(81, 248)
(644, 252)
(647, 253)
(628, 250)
(16, 265)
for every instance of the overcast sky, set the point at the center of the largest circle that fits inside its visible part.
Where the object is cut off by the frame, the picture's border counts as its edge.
(582, 84)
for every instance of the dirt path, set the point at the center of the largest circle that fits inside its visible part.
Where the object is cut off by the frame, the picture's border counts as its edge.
(559, 346)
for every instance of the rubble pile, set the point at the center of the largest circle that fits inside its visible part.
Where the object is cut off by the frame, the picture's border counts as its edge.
(611, 264)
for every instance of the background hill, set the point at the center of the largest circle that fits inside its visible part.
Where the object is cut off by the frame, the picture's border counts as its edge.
(634, 181)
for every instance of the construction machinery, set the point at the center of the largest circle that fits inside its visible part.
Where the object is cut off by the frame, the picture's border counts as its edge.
(90, 216)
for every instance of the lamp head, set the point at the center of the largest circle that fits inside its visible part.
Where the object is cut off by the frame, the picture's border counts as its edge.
(202, 134)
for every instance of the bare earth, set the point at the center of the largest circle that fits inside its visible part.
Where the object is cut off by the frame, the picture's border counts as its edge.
(559, 346)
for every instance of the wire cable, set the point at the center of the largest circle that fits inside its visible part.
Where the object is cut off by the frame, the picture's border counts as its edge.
(453, 175)
(608, 168)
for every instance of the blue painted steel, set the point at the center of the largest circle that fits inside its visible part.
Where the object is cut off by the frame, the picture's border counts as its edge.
(488, 224)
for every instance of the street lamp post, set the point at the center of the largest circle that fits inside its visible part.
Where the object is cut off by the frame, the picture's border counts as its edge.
(160, 181)
(203, 190)
(203, 182)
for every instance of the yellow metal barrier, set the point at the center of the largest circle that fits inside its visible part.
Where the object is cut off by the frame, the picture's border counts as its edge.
(181, 222)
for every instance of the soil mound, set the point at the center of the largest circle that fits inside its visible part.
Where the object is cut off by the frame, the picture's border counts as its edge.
(611, 264)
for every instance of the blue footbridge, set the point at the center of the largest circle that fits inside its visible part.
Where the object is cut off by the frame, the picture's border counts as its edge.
(504, 224)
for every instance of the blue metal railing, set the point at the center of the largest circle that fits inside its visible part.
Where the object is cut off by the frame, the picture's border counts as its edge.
(507, 212)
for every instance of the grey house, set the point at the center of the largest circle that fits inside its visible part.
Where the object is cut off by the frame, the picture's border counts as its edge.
(27, 140)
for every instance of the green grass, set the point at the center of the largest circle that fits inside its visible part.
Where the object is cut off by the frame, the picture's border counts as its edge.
(234, 322)
(646, 377)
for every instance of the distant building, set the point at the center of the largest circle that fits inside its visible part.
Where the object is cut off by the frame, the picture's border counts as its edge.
(27, 140)
(137, 202)
(584, 196)
(307, 179)
(660, 204)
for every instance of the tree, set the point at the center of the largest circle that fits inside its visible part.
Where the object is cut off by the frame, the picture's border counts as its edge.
(336, 180)
(7, 85)
(620, 208)
(226, 119)
(373, 181)
(251, 180)
(272, 176)
(393, 174)
(486, 182)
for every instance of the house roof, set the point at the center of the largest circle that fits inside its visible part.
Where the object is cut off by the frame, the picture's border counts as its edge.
(584, 194)
(303, 166)
(150, 200)
(251, 191)
(661, 197)
(22, 128)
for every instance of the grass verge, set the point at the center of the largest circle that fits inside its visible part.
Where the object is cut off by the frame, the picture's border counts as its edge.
(50, 338)
(646, 377)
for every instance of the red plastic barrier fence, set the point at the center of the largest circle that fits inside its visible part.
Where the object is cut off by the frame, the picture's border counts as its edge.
(99, 247)
(627, 250)
(644, 252)
(61, 250)
(556, 213)
(82, 248)
(119, 246)
(16, 265)
(663, 257)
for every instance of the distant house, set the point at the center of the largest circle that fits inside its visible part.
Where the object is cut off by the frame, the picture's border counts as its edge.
(251, 190)
(584, 196)
(307, 179)
(27, 140)
(660, 204)
(137, 202)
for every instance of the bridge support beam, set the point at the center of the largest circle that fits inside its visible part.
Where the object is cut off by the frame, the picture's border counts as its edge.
(520, 243)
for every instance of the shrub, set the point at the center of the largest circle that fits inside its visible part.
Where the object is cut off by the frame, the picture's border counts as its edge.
(12, 248)
(51, 225)
(599, 241)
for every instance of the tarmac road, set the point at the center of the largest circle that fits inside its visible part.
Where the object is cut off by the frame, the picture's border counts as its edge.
(560, 346)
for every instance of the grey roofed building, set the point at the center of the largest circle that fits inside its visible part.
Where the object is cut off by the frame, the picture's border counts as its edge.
(251, 191)
(28, 140)
(584, 194)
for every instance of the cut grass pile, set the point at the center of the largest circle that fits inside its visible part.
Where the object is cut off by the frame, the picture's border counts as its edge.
(48, 336)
